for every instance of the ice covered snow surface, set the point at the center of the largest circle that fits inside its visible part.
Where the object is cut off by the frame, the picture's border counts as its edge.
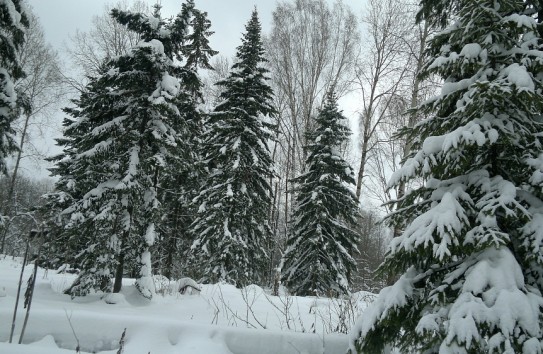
(219, 320)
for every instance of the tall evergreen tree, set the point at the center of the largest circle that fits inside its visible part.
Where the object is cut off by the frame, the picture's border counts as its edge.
(122, 135)
(76, 239)
(186, 176)
(318, 259)
(231, 231)
(12, 22)
(471, 247)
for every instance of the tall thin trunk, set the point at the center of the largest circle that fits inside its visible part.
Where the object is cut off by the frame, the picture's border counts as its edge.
(19, 291)
(32, 287)
(411, 123)
(290, 155)
(362, 167)
(172, 243)
(168, 267)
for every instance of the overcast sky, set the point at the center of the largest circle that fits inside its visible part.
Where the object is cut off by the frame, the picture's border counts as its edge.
(60, 18)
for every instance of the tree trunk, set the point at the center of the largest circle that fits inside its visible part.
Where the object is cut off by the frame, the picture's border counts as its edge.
(119, 271)
(290, 154)
(362, 167)
(118, 284)
(172, 246)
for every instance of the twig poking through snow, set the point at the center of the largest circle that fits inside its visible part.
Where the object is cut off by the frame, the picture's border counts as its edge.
(121, 343)
(69, 318)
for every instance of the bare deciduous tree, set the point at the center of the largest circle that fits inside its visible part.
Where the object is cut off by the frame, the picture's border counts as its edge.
(389, 151)
(311, 47)
(389, 85)
(221, 67)
(383, 68)
(106, 39)
(385, 157)
(373, 235)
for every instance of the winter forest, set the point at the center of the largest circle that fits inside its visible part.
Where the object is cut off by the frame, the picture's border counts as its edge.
(359, 178)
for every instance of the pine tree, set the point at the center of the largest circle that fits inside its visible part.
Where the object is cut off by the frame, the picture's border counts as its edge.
(66, 245)
(318, 259)
(470, 253)
(124, 133)
(231, 231)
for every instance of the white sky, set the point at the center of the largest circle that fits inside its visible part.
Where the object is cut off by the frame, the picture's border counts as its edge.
(60, 18)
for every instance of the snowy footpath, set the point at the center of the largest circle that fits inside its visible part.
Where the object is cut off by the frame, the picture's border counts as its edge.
(219, 320)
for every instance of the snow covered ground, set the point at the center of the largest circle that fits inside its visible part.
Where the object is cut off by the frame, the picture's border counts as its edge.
(219, 320)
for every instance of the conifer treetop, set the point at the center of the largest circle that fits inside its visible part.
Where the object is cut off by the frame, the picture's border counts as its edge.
(251, 50)
(197, 50)
(171, 33)
(246, 85)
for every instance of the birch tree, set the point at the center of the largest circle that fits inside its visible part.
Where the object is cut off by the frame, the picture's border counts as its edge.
(383, 67)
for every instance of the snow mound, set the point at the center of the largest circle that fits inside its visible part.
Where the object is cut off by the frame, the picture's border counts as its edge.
(114, 298)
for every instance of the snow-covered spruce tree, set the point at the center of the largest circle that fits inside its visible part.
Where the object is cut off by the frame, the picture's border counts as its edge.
(231, 230)
(187, 176)
(64, 245)
(115, 165)
(75, 239)
(12, 23)
(470, 253)
(318, 259)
